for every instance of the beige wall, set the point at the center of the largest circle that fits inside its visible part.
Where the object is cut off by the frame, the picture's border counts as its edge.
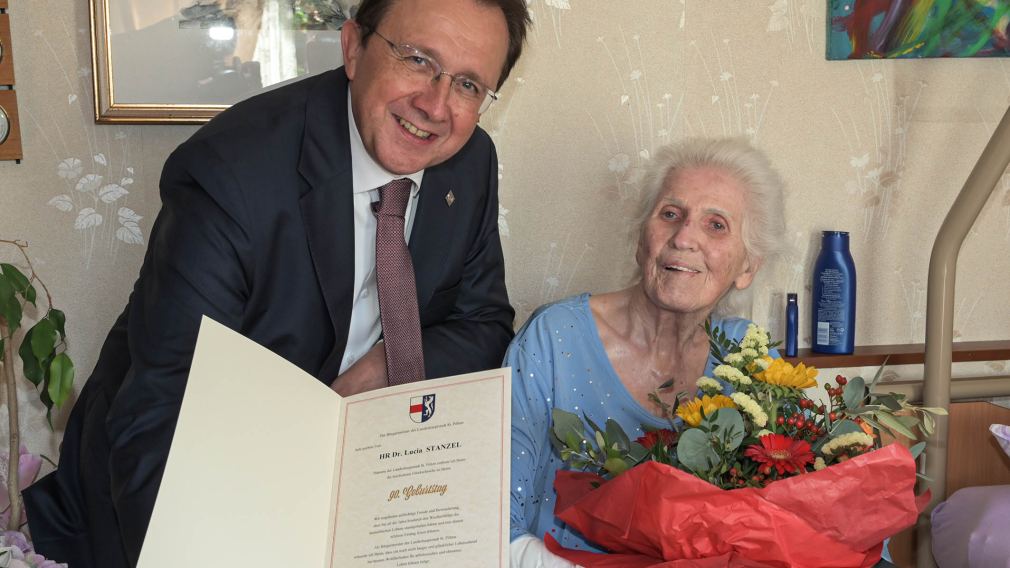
(876, 148)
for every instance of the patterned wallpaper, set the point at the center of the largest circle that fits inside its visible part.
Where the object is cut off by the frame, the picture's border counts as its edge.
(877, 148)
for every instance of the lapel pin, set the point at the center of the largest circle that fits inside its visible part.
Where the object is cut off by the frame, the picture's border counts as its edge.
(450, 198)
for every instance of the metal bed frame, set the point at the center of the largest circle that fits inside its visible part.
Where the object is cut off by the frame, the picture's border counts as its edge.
(938, 390)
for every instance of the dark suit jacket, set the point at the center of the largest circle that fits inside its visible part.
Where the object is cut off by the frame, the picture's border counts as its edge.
(256, 231)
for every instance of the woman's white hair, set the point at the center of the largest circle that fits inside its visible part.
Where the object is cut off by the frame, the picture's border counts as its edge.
(763, 229)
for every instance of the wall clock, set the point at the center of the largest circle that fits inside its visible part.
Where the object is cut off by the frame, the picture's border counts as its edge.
(10, 132)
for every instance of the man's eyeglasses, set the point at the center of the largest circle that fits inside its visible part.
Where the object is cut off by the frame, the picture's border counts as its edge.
(471, 93)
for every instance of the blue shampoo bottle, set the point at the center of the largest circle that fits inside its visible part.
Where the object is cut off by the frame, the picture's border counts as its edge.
(833, 314)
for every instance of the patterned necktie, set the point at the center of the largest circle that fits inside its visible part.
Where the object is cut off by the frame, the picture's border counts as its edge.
(394, 277)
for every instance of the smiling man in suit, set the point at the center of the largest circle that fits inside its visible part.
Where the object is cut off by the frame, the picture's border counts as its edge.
(315, 219)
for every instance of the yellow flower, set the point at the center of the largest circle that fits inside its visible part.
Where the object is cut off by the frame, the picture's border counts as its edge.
(784, 374)
(855, 440)
(692, 411)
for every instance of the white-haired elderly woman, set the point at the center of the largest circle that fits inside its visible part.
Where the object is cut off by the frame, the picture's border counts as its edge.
(712, 216)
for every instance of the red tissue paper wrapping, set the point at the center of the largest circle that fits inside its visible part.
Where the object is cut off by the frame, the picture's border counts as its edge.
(655, 515)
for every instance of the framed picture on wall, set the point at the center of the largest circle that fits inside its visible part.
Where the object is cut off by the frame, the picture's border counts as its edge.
(184, 61)
(908, 29)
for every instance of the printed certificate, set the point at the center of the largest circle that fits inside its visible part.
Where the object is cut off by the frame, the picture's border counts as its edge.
(270, 467)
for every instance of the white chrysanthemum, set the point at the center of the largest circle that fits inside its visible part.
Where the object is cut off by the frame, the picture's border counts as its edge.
(731, 374)
(751, 407)
(709, 385)
(749, 353)
(763, 433)
(762, 364)
(851, 439)
(724, 371)
(819, 464)
(755, 338)
(763, 350)
(734, 359)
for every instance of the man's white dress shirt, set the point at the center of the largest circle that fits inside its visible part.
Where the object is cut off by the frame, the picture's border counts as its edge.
(368, 176)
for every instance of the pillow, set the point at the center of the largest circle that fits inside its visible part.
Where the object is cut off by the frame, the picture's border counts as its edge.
(1002, 433)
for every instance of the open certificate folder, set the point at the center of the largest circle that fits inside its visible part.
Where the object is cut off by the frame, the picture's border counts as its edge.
(269, 467)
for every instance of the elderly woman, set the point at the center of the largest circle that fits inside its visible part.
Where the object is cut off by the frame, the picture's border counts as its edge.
(712, 215)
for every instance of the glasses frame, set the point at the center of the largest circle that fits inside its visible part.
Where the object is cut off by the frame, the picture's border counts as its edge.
(489, 96)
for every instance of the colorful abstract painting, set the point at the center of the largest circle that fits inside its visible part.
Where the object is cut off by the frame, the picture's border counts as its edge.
(892, 29)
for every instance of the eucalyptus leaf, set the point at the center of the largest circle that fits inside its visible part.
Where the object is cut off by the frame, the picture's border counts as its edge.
(61, 379)
(637, 452)
(558, 445)
(30, 295)
(873, 424)
(573, 440)
(879, 373)
(843, 427)
(928, 425)
(889, 401)
(935, 410)
(730, 423)
(892, 423)
(616, 434)
(917, 449)
(695, 451)
(592, 425)
(910, 422)
(566, 423)
(868, 409)
(600, 442)
(854, 392)
(615, 466)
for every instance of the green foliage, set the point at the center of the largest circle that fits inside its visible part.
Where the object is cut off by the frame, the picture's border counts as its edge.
(606, 451)
(695, 451)
(726, 425)
(718, 344)
(44, 361)
(854, 392)
(724, 441)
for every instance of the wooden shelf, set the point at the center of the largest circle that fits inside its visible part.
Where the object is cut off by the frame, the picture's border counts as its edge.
(903, 354)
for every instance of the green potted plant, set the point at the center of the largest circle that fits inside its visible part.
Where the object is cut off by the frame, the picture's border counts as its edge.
(41, 348)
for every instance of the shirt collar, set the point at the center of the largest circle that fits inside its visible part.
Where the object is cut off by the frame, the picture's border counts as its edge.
(367, 173)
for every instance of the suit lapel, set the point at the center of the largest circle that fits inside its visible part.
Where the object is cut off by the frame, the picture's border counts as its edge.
(327, 206)
(432, 234)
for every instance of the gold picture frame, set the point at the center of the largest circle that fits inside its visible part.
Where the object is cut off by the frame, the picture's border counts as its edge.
(184, 61)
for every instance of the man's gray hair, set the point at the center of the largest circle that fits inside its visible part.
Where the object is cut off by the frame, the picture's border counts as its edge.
(763, 228)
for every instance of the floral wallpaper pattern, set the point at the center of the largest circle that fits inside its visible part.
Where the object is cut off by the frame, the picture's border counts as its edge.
(878, 148)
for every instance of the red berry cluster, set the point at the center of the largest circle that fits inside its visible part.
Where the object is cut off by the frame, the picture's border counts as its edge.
(837, 391)
(803, 421)
(743, 479)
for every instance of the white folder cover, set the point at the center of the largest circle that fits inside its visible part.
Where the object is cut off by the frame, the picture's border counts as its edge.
(269, 467)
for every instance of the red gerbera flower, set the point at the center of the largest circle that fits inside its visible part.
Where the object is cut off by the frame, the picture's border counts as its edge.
(664, 436)
(783, 453)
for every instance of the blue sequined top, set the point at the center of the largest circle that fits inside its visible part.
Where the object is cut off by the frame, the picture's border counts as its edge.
(558, 360)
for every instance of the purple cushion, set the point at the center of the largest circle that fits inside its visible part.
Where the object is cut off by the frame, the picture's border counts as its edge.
(972, 528)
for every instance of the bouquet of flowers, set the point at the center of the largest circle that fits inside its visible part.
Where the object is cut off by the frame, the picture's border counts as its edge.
(751, 472)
